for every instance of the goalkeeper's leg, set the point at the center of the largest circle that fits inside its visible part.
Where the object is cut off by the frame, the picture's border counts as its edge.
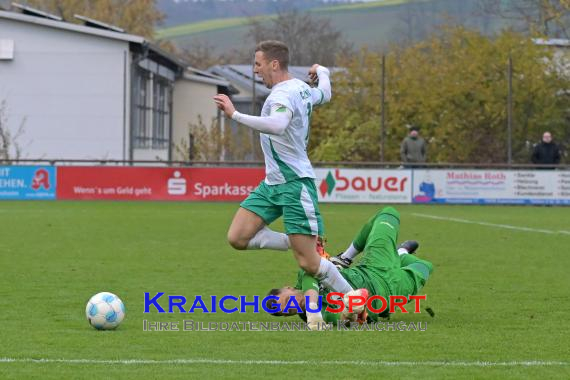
(379, 237)
(419, 269)
(389, 215)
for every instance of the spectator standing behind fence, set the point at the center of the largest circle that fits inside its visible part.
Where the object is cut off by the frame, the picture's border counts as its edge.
(413, 149)
(546, 152)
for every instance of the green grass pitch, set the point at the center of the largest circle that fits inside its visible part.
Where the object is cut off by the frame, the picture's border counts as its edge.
(501, 294)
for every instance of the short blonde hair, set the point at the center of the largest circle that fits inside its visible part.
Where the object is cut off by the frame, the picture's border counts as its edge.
(275, 50)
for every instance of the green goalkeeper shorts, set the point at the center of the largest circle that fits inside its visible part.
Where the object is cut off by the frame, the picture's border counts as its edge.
(296, 200)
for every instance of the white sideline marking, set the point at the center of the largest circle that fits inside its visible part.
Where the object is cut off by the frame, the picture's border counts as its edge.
(507, 226)
(379, 363)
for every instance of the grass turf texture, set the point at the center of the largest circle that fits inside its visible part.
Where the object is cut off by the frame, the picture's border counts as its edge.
(499, 295)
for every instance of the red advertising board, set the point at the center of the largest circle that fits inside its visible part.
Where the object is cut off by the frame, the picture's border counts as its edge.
(143, 183)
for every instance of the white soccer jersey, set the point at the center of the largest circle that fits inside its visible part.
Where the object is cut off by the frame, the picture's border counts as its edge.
(286, 155)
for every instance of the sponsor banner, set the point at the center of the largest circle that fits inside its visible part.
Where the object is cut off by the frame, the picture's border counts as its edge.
(364, 186)
(491, 186)
(27, 182)
(138, 183)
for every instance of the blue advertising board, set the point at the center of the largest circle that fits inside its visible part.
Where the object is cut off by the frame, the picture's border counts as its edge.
(27, 182)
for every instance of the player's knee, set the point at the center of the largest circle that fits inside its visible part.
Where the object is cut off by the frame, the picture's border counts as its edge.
(427, 264)
(309, 266)
(236, 241)
(391, 211)
(423, 267)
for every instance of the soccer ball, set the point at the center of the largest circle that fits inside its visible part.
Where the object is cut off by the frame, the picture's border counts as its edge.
(105, 311)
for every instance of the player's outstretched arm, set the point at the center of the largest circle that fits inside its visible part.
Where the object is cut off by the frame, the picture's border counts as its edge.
(322, 93)
(274, 124)
(310, 289)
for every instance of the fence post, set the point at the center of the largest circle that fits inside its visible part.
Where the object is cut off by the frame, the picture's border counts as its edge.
(510, 111)
(383, 104)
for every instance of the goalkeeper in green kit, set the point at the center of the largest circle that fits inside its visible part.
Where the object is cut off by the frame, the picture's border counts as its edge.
(385, 270)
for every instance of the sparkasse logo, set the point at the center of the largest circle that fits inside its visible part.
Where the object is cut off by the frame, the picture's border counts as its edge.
(177, 184)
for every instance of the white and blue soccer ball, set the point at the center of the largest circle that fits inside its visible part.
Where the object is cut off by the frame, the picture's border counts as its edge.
(105, 311)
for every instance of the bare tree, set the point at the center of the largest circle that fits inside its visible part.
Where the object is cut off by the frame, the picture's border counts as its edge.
(203, 55)
(416, 22)
(212, 143)
(419, 20)
(549, 18)
(10, 148)
(310, 39)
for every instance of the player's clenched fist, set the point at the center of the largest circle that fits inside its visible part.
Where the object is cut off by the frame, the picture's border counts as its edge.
(313, 73)
(225, 104)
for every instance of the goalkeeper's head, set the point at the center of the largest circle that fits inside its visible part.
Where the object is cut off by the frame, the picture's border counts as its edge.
(284, 295)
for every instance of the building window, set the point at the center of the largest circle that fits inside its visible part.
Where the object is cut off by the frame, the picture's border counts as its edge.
(152, 107)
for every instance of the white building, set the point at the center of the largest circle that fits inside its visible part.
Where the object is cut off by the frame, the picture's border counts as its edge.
(193, 101)
(93, 91)
(561, 48)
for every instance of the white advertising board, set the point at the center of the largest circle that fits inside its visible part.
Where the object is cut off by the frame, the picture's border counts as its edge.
(491, 186)
(364, 185)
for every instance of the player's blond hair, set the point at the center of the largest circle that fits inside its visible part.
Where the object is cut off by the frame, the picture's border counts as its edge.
(274, 50)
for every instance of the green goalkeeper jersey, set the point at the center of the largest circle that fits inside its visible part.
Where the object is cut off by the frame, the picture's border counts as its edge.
(381, 271)
(358, 278)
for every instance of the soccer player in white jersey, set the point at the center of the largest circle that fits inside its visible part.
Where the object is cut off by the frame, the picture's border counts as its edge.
(288, 189)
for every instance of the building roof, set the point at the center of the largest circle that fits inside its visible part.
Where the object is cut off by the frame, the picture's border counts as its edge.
(98, 24)
(197, 75)
(560, 42)
(35, 12)
(91, 27)
(63, 25)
